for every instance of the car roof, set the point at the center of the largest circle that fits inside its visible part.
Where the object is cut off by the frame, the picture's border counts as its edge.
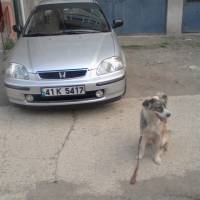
(44, 2)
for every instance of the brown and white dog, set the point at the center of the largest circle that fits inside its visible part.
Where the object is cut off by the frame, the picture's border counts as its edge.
(153, 126)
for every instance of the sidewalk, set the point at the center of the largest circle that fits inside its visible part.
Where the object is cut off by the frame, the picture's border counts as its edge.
(95, 158)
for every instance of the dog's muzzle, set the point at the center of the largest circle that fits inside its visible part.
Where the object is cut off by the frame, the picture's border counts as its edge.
(164, 115)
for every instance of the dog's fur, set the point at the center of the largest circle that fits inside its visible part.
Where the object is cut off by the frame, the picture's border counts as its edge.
(153, 126)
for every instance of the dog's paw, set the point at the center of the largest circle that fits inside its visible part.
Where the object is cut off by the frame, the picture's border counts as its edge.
(139, 157)
(158, 160)
(165, 147)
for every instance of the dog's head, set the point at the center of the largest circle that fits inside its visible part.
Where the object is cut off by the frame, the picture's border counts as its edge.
(157, 106)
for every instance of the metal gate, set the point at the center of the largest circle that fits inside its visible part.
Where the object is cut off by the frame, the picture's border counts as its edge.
(140, 16)
(191, 16)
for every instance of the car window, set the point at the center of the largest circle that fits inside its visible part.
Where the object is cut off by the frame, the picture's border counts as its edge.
(46, 22)
(65, 18)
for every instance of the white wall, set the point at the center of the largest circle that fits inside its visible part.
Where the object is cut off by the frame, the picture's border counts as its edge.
(174, 17)
(29, 5)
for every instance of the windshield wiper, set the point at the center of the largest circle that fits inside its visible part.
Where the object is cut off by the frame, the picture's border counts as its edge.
(40, 34)
(80, 31)
(67, 32)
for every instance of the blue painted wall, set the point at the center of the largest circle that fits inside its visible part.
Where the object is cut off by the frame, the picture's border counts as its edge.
(140, 16)
(191, 17)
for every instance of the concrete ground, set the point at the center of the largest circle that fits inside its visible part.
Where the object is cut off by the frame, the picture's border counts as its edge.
(89, 152)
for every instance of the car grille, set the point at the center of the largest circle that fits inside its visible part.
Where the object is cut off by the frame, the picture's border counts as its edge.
(63, 74)
(88, 95)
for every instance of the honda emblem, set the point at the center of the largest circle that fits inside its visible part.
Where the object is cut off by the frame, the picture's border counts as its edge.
(62, 75)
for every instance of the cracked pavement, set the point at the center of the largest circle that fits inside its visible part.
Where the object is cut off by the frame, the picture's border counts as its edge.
(57, 155)
(88, 152)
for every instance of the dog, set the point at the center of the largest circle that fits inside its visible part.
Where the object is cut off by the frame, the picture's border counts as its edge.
(153, 129)
(153, 126)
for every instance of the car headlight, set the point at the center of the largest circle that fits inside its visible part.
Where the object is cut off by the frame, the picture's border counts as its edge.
(17, 71)
(110, 65)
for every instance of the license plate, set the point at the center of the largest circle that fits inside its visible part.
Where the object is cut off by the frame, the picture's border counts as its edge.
(63, 91)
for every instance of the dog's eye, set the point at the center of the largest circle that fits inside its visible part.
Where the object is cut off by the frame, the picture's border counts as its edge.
(160, 109)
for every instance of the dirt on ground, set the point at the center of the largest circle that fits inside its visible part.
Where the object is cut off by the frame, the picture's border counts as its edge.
(168, 64)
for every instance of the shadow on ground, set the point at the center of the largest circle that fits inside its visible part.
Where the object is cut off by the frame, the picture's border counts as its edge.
(172, 188)
(66, 109)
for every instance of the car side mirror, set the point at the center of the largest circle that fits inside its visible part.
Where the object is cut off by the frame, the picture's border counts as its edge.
(117, 23)
(17, 29)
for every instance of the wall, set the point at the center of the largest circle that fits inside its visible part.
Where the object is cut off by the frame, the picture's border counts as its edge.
(140, 17)
(174, 17)
(29, 5)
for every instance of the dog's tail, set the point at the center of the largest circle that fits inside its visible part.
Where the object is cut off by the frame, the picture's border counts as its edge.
(135, 173)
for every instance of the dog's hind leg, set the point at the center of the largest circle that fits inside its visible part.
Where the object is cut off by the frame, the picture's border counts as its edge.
(157, 157)
(165, 147)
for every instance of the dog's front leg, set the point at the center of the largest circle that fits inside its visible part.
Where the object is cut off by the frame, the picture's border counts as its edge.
(142, 148)
(158, 151)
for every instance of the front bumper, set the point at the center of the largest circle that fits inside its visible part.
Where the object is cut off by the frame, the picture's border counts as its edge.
(113, 89)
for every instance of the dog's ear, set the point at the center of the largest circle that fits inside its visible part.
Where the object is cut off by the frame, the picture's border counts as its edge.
(146, 103)
(162, 96)
(165, 98)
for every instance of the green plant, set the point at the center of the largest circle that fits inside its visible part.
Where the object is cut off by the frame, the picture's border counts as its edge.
(9, 44)
(164, 44)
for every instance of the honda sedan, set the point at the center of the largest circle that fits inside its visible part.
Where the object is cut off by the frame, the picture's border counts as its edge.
(67, 54)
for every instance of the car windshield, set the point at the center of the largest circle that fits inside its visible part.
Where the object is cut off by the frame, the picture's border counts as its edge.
(68, 18)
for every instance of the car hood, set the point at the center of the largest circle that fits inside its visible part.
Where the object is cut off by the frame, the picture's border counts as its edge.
(63, 52)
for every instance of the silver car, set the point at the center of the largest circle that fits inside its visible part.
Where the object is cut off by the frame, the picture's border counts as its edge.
(67, 54)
